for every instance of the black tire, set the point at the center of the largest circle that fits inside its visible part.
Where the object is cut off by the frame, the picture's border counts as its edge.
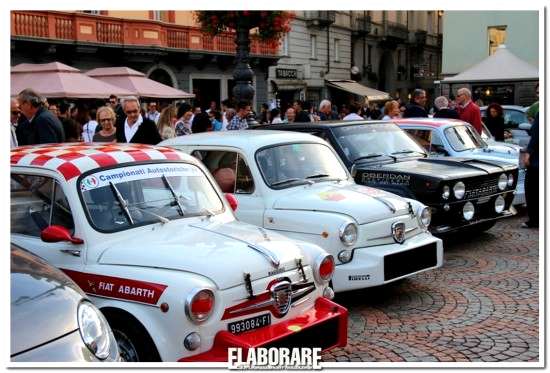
(134, 343)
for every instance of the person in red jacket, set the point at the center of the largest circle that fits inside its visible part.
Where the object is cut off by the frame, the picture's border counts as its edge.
(468, 111)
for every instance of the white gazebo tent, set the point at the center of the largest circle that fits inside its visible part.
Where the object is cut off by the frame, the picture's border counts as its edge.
(503, 67)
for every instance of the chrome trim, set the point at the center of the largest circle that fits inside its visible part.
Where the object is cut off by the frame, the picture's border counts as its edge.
(70, 252)
(407, 230)
(299, 302)
(390, 205)
(189, 299)
(254, 306)
(267, 254)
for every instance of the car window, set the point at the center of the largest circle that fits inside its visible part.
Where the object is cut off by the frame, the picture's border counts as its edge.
(463, 138)
(513, 118)
(124, 197)
(229, 169)
(423, 137)
(36, 203)
(287, 165)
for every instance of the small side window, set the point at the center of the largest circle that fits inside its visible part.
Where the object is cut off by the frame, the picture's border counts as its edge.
(423, 137)
(229, 169)
(36, 203)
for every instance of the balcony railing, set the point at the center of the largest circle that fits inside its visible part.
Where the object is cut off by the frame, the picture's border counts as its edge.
(362, 25)
(98, 29)
(397, 31)
(320, 18)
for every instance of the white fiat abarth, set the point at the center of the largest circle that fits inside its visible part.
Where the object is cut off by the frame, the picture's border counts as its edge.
(295, 184)
(146, 233)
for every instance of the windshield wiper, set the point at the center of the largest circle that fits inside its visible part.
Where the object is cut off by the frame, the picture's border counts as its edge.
(316, 176)
(123, 203)
(162, 219)
(176, 198)
(373, 155)
(291, 180)
(409, 152)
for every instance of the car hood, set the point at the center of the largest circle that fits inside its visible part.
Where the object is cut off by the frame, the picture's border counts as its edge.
(496, 152)
(44, 302)
(443, 168)
(221, 252)
(362, 203)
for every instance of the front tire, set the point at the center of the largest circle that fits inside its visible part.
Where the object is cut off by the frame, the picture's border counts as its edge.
(134, 343)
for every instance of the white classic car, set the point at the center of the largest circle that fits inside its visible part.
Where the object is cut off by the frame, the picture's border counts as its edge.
(295, 184)
(455, 138)
(146, 233)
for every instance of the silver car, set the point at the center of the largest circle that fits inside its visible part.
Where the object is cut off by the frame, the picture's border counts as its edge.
(51, 318)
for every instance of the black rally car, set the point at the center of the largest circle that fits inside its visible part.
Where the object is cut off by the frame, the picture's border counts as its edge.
(461, 192)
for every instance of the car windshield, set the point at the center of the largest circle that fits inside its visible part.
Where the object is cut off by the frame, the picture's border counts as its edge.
(463, 138)
(125, 197)
(283, 166)
(376, 141)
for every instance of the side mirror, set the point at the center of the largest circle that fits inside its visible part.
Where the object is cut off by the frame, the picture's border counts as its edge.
(230, 197)
(58, 233)
(525, 126)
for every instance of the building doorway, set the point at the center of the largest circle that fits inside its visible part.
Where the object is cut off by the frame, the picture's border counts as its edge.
(206, 90)
(161, 76)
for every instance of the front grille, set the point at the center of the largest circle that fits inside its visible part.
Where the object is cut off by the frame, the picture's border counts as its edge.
(479, 187)
(410, 261)
(323, 335)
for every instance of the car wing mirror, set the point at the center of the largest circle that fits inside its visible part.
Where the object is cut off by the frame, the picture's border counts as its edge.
(232, 200)
(58, 233)
(525, 126)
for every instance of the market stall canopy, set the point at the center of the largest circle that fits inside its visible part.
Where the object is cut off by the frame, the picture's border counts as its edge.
(360, 90)
(502, 66)
(57, 80)
(136, 82)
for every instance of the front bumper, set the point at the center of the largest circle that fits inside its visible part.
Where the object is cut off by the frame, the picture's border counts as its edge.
(453, 219)
(324, 326)
(377, 265)
(519, 193)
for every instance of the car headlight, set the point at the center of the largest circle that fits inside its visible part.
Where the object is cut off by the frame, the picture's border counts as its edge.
(345, 256)
(446, 192)
(324, 268)
(459, 190)
(499, 204)
(348, 234)
(468, 211)
(94, 330)
(510, 180)
(425, 216)
(199, 305)
(502, 181)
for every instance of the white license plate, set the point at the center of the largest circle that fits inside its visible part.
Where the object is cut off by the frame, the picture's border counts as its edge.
(249, 324)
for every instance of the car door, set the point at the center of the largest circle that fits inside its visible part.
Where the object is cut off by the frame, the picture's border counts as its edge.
(233, 173)
(39, 201)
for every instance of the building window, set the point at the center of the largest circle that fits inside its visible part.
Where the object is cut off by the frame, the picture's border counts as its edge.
(285, 45)
(497, 36)
(159, 15)
(336, 50)
(398, 16)
(430, 23)
(313, 46)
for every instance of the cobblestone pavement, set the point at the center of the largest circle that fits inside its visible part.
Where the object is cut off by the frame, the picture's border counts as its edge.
(481, 306)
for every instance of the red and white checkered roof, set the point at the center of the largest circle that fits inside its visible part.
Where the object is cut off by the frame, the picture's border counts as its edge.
(73, 159)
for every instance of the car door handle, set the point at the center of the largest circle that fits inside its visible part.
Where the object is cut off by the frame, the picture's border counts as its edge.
(72, 252)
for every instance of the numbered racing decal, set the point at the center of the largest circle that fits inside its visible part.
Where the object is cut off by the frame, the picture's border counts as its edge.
(117, 287)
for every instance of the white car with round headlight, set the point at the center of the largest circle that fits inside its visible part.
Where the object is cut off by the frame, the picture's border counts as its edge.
(147, 235)
(295, 184)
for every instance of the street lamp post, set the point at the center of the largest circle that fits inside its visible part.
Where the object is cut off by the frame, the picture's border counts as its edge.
(243, 74)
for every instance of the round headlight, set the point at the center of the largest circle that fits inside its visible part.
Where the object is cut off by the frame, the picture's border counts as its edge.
(344, 256)
(502, 181)
(459, 189)
(499, 204)
(94, 330)
(468, 210)
(348, 234)
(510, 180)
(199, 305)
(425, 216)
(446, 192)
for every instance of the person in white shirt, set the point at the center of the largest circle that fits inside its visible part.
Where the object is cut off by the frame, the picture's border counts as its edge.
(391, 110)
(276, 116)
(152, 112)
(354, 112)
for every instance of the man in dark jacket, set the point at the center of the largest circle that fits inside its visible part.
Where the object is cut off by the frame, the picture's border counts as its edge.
(302, 116)
(41, 126)
(417, 107)
(443, 111)
(531, 160)
(135, 128)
